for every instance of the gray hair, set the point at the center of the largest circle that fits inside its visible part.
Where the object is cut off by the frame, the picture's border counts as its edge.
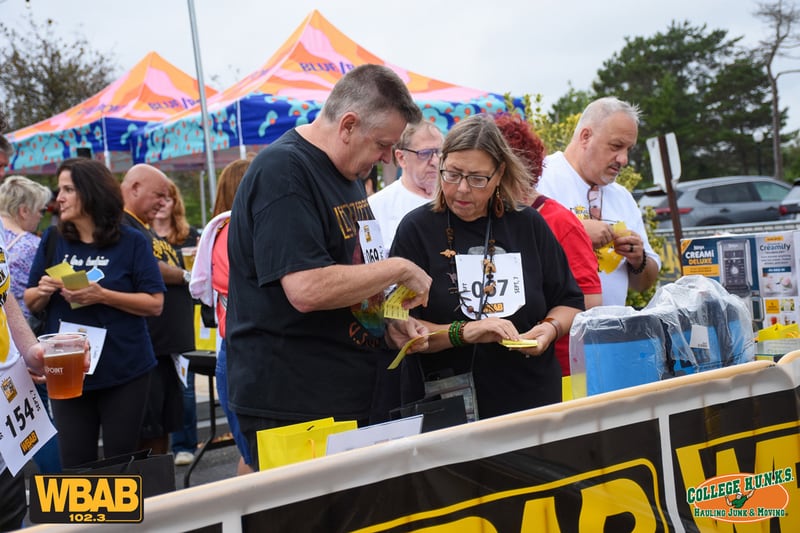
(479, 132)
(371, 91)
(411, 129)
(602, 108)
(18, 191)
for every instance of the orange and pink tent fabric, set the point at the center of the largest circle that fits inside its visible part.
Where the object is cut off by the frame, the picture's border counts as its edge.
(152, 91)
(289, 90)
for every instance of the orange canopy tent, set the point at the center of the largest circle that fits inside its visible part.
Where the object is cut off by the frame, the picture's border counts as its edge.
(152, 91)
(287, 91)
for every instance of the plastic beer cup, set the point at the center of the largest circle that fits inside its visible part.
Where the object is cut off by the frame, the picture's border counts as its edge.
(63, 364)
(188, 253)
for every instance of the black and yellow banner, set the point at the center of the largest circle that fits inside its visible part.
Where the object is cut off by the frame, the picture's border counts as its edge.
(69, 499)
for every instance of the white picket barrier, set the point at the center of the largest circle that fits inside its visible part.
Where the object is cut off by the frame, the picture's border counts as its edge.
(626, 455)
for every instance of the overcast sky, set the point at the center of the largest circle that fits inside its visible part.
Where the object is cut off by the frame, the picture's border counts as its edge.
(522, 46)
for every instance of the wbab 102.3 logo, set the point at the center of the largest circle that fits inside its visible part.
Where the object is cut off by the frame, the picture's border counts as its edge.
(742, 497)
(65, 499)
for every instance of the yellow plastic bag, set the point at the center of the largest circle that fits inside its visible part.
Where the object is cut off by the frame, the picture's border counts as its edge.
(778, 332)
(204, 338)
(298, 442)
(607, 257)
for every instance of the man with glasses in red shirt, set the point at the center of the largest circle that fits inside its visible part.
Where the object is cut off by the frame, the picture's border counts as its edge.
(417, 153)
(582, 178)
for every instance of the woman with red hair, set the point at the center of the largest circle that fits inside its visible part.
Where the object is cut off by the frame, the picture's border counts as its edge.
(565, 225)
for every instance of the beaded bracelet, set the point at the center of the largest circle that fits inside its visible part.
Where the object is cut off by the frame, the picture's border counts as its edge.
(456, 333)
(641, 267)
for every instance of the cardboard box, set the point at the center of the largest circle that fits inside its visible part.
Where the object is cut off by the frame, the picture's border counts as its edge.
(761, 268)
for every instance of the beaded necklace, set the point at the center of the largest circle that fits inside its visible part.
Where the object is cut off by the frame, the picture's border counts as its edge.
(488, 283)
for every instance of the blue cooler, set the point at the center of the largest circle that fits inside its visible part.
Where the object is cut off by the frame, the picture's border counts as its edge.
(623, 351)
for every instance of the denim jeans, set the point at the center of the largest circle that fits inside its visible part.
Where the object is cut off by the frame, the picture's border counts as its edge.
(185, 440)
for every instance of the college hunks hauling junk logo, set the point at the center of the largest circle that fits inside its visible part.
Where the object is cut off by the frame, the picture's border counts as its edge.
(741, 497)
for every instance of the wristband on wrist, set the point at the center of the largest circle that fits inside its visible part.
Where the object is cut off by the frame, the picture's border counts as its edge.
(553, 322)
(641, 267)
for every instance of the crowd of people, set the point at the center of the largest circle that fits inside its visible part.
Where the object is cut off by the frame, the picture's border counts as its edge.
(489, 239)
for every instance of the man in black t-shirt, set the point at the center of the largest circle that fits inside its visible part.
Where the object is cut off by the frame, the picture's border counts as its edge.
(305, 325)
(145, 191)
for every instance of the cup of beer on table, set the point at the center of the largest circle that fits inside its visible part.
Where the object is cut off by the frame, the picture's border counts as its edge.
(63, 364)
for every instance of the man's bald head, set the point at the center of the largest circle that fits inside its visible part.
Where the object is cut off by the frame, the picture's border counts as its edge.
(145, 190)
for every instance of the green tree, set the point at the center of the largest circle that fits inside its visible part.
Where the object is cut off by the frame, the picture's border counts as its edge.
(738, 104)
(699, 84)
(42, 75)
(569, 104)
(781, 18)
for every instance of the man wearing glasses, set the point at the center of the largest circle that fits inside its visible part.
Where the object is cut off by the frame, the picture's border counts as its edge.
(417, 154)
(582, 178)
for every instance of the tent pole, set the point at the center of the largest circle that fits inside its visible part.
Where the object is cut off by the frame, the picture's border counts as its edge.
(242, 149)
(203, 218)
(106, 152)
(212, 175)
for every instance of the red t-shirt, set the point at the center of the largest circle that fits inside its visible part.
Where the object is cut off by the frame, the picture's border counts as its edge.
(219, 274)
(577, 246)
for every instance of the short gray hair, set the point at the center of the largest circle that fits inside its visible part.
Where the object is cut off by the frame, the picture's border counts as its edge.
(18, 191)
(602, 108)
(371, 91)
(411, 129)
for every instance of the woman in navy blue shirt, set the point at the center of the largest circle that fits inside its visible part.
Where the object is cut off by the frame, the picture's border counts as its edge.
(125, 286)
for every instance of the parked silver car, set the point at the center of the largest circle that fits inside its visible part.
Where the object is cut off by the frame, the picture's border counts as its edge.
(716, 201)
(790, 206)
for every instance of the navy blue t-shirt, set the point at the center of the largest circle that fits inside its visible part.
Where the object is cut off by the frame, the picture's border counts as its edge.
(127, 266)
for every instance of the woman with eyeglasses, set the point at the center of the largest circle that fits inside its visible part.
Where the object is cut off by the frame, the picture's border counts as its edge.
(499, 275)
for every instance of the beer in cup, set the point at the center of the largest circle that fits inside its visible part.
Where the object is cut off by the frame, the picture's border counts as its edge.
(188, 253)
(63, 364)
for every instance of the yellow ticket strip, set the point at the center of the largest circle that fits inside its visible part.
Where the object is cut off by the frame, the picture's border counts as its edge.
(508, 343)
(397, 360)
(522, 343)
(393, 306)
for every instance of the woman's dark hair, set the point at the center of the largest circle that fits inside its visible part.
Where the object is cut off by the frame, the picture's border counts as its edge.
(101, 199)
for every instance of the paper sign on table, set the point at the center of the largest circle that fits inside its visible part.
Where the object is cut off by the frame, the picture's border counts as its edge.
(366, 436)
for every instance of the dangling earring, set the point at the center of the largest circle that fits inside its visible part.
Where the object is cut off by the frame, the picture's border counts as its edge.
(498, 206)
